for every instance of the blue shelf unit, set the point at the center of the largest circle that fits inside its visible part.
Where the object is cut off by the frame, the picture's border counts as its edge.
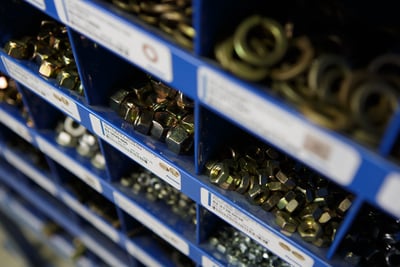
(106, 59)
(45, 230)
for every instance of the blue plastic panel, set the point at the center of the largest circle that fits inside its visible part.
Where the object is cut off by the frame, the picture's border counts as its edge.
(369, 174)
(191, 185)
(60, 242)
(355, 167)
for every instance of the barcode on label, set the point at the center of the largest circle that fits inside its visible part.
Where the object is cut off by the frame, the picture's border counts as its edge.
(317, 147)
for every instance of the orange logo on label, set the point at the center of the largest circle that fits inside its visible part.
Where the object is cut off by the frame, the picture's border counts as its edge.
(150, 53)
(61, 99)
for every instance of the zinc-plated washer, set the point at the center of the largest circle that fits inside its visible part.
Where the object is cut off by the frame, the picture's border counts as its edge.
(306, 50)
(224, 54)
(73, 128)
(246, 53)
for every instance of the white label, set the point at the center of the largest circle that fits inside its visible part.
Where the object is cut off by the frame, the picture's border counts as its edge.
(304, 141)
(38, 3)
(70, 164)
(62, 245)
(136, 152)
(152, 223)
(101, 252)
(23, 214)
(15, 125)
(124, 39)
(141, 255)
(42, 88)
(388, 194)
(206, 262)
(255, 230)
(92, 218)
(30, 171)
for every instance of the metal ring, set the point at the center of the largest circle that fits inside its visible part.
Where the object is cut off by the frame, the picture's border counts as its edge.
(330, 86)
(360, 100)
(326, 116)
(224, 54)
(73, 128)
(321, 65)
(288, 91)
(306, 54)
(350, 83)
(381, 63)
(246, 53)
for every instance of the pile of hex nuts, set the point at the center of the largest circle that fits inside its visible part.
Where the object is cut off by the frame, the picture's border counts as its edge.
(320, 82)
(240, 250)
(173, 17)
(51, 51)
(373, 240)
(160, 111)
(301, 200)
(155, 189)
(70, 133)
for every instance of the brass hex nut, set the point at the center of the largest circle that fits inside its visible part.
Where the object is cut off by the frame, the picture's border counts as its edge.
(178, 140)
(183, 101)
(326, 216)
(163, 91)
(144, 121)
(228, 183)
(309, 229)
(295, 203)
(276, 186)
(257, 195)
(285, 179)
(218, 172)
(290, 195)
(42, 52)
(67, 78)
(50, 67)
(273, 167)
(272, 201)
(162, 122)
(248, 165)
(118, 98)
(344, 205)
(244, 182)
(19, 49)
(286, 222)
(312, 210)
